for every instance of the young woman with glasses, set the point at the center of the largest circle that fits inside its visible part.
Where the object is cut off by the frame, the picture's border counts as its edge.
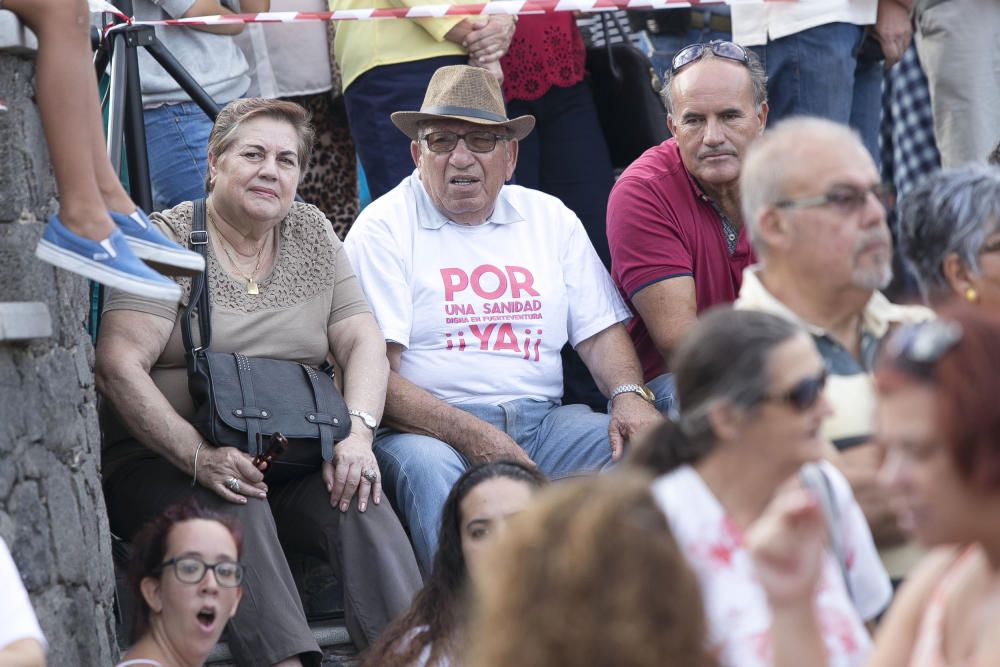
(185, 578)
(938, 421)
(750, 391)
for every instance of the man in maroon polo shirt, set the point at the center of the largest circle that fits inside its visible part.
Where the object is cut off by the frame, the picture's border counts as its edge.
(675, 228)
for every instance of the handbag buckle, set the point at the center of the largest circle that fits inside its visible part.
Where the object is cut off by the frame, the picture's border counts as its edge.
(199, 237)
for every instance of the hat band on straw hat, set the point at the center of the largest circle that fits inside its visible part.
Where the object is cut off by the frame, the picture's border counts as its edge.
(470, 112)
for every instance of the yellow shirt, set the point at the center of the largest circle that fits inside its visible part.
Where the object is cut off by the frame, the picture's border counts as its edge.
(361, 45)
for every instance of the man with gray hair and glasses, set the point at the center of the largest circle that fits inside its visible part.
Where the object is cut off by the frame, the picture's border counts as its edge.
(813, 206)
(675, 226)
(950, 235)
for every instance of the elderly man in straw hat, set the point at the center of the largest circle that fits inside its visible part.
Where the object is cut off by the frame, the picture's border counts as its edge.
(477, 285)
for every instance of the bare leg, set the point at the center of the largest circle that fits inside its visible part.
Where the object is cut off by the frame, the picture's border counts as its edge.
(69, 108)
(114, 194)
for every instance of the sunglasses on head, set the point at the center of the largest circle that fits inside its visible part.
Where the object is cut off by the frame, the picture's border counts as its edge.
(693, 52)
(803, 394)
(917, 347)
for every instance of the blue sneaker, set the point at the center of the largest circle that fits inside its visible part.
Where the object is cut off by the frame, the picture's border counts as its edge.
(109, 262)
(151, 246)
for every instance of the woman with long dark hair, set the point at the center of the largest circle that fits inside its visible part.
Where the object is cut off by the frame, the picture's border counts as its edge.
(473, 517)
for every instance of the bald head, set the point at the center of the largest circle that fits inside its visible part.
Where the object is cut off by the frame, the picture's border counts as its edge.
(783, 159)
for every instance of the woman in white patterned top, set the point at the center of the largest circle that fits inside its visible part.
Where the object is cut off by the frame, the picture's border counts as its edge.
(750, 389)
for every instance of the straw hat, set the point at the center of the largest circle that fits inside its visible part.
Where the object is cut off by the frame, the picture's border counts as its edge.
(463, 92)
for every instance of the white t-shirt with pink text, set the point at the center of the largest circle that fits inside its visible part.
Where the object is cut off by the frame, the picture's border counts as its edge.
(482, 311)
(735, 604)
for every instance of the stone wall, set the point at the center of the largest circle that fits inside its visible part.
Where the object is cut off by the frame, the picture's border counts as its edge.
(52, 512)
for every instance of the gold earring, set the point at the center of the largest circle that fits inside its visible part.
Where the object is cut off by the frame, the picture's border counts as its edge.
(971, 295)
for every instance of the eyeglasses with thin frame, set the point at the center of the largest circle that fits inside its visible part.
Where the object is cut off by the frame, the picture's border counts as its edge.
(191, 570)
(918, 347)
(804, 394)
(477, 141)
(722, 49)
(845, 198)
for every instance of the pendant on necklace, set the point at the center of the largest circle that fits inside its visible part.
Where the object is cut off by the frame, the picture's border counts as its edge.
(252, 286)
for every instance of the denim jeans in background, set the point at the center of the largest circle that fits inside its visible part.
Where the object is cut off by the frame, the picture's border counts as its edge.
(177, 144)
(824, 72)
(419, 471)
(370, 99)
(666, 46)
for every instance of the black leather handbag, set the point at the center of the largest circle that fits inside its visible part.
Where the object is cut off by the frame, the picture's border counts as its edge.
(626, 94)
(237, 397)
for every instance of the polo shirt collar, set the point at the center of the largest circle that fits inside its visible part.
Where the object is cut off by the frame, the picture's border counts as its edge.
(429, 217)
(879, 313)
(696, 187)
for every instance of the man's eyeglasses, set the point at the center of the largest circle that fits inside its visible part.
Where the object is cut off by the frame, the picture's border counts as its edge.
(917, 347)
(191, 570)
(804, 394)
(845, 198)
(477, 141)
(722, 49)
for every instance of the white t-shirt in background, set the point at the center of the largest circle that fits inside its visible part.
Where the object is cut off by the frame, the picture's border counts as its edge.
(755, 22)
(17, 618)
(736, 606)
(482, 311)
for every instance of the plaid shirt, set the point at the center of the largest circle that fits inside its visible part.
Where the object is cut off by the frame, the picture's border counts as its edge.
(909, 152)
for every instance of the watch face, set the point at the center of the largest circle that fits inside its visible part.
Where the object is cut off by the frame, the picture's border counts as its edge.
(368, 420)
(648, 394)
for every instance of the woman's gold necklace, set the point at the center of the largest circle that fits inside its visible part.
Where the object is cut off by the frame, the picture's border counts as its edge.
(252, 287)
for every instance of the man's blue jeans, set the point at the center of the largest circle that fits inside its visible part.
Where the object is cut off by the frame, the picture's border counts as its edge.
(823, 72)
(665, 47)
(662, 387)
(177, 144)
(419, 471)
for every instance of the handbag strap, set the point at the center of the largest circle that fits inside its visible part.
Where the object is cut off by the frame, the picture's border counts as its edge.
(612, 65)
(251, 414)
(323, 421)
(813, 477)
(199, 299)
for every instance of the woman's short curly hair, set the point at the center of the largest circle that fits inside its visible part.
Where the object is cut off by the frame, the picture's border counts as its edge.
(571, 584)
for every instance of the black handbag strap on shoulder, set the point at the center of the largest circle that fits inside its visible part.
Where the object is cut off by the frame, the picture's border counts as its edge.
(199, 298)
(612, 65)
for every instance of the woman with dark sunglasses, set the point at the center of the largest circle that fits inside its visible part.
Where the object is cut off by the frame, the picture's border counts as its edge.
(750, 391)
(937, 418)
(184, 579)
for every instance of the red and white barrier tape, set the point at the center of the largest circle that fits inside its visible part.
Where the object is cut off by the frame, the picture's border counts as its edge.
(512, 7)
